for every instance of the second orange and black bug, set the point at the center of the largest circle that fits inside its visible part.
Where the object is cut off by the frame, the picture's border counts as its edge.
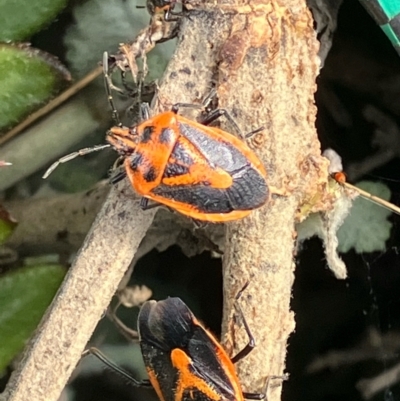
(183, 360)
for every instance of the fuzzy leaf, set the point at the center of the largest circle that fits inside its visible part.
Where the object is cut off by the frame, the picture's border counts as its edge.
(366, 229)
(24, 296)
(20, 19)
(28, 78)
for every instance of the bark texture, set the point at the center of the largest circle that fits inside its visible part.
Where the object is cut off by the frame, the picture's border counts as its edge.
(266, 75)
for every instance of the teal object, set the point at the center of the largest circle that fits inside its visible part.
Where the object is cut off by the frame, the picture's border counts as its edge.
(386, 13)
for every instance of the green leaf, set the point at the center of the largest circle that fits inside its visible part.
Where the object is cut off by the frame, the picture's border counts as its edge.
(20, 19)
(28, 78)
(24, 296)
(367, 228)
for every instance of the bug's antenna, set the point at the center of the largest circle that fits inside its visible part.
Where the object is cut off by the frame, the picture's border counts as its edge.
(72, 155)
(109, 85)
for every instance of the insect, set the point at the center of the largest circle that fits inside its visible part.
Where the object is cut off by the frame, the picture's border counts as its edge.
(340, 178)
(183, 360)
(200, 171)
(167, 7)
(157, 6)
(337, 174)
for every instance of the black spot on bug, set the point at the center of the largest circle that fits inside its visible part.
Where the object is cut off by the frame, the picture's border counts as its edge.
(173, 75)
(174, 169)
(150, 175)
(190, 85)
(147, 133)
(136, 160)
(165, 136)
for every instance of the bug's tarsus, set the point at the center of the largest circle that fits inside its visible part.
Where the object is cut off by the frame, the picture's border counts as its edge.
(256, 131)
(254, 396)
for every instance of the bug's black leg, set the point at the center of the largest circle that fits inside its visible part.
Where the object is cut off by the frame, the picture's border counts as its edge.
(252, 343)
(99, 355)
(117, 177)
(144, 204)
(215, 114)
(127, 332)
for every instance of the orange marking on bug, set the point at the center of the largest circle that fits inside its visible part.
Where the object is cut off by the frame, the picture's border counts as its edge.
(155, 384)
(187, 380)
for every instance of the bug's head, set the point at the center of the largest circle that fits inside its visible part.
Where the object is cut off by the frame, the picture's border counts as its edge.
(123, 139)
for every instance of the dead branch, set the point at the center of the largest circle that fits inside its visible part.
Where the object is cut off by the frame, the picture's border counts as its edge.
(267, 75)
(386, 139)
(375, 346)
(81, 301)
(370, 387)
(59, 225)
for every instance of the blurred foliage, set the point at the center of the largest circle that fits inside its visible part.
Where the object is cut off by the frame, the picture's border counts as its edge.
(28, 78)
(366, 228)
(20, 19)
(24, 296)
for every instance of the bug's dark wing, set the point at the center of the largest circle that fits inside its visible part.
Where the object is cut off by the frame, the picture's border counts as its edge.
(249, 189)
(218, 153)
(207, 365)
(165, 324)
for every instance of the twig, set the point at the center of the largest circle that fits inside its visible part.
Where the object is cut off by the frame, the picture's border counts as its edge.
(374, 346)
(59, 225)
(386, 138)
(370, 387)
(72, 90)
(260, 79)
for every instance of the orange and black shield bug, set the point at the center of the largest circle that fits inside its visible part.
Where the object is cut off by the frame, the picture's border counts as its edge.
(200, 171)
(183, 359)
